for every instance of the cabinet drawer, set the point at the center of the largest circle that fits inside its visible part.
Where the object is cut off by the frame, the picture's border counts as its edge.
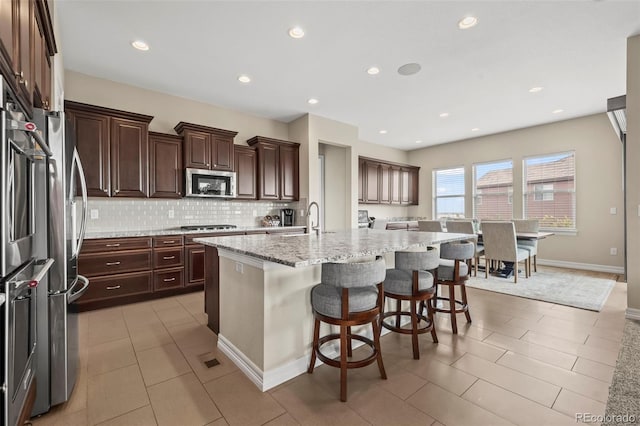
(115, 244)
(167, 258)
(171, 278)
(114, 263)
(168, 241)
(118, 286)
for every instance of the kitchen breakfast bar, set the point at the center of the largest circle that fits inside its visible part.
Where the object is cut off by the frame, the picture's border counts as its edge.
(262, 284)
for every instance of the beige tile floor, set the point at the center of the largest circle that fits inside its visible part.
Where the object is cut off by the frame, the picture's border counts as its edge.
(520, 362)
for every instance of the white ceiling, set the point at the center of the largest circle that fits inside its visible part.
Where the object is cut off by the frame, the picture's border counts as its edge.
(576, 50)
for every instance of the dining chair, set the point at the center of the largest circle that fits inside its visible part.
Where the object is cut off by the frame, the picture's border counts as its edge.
(529, 225)
(466, 227)
(430, 226)
(500, 243)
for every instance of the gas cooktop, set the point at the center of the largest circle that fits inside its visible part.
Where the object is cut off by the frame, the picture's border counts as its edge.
(206, 227)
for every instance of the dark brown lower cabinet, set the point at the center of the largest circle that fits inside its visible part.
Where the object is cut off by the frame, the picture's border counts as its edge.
(127, 270)
(195, 264)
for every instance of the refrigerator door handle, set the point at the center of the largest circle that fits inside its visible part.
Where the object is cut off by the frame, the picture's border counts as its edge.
(76, 294)
(83, 186)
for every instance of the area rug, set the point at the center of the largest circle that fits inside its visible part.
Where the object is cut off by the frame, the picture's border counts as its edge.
(623, 406)
(564, 288)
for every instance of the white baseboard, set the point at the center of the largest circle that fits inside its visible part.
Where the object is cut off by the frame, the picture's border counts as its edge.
(582, 266)
(633, 314)
(266, 380)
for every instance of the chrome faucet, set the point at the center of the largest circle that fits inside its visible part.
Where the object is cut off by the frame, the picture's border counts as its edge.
(317, 227)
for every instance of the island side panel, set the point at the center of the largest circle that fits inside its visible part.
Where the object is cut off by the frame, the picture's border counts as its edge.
(288, 318)
(242, 308)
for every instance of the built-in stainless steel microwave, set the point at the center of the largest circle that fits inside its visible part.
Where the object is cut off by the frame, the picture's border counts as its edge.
(210, 183)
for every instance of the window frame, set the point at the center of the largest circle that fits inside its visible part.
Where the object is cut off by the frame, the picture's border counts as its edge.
(475, 196)
(434, 190)
(558, 229)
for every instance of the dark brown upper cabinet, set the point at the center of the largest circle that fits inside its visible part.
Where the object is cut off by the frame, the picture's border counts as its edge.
(114, 149)
(26, 45)
(207, 147)
(165, 166)
(278, 168)
(382, 182)
(246, 164)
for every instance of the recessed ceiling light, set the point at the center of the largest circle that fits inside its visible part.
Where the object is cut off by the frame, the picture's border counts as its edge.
(536, 89)
(418, 141)
(312, 101)
(244, 78)
(467, 22)
(140, 45)
(296, 32)
(475, 129)
(557, 111)
(383, 132)
(409, 69)
(373, 71)
(444, 115)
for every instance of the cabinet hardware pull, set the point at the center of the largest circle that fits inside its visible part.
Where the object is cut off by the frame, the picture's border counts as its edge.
(113, 287)
(168, 257)
(168, 242)
(112, 263)
(168, 280)
(113, 245)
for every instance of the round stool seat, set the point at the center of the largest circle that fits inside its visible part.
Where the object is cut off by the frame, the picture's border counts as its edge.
(326, 299)
(400, 282)
(447, 267)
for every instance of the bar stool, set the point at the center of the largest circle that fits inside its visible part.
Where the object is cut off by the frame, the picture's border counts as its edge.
(349, 294)
(454, 272)
(411, 281)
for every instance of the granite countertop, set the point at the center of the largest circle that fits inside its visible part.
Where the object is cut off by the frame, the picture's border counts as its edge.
(310, 249)
(179, 231)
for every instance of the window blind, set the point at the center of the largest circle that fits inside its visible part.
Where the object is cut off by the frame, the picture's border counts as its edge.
(449, 193)
(493, 190)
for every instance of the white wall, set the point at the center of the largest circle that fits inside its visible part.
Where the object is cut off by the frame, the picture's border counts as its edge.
(598, 181)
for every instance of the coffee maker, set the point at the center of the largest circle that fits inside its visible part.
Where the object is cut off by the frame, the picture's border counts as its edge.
(287, 217)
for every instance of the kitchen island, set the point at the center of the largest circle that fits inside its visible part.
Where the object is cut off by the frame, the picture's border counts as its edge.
(264, 284)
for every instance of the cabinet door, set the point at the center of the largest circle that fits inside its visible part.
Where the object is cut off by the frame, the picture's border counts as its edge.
(372, 182)
(361, 180)
(221, 153)
(385, 184)
(165, 167)
(245, 166)
(24, 73)
(197, 150)
(195, 265)
(7, 32)
(268, 172)
(92, 142)
(289, 175)
(396, 185)
(404, 199)
(129, 158)
(414, 179)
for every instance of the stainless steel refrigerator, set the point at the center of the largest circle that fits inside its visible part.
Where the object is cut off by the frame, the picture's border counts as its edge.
(58, 352)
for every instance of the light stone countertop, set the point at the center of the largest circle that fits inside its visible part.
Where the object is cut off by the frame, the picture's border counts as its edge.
(310, 249)
(178, 231)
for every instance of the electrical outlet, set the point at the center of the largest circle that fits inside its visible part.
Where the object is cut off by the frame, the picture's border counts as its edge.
(239, 267)
(613, 210)
(94, 214)
(613, 251)
(302, 211)
(255, 213)
(172, 214)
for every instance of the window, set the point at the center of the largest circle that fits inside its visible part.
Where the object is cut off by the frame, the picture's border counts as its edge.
(493, 190)
(449, 193)
(550, 190)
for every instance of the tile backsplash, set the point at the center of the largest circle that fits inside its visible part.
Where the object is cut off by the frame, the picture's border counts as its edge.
(150, 214)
